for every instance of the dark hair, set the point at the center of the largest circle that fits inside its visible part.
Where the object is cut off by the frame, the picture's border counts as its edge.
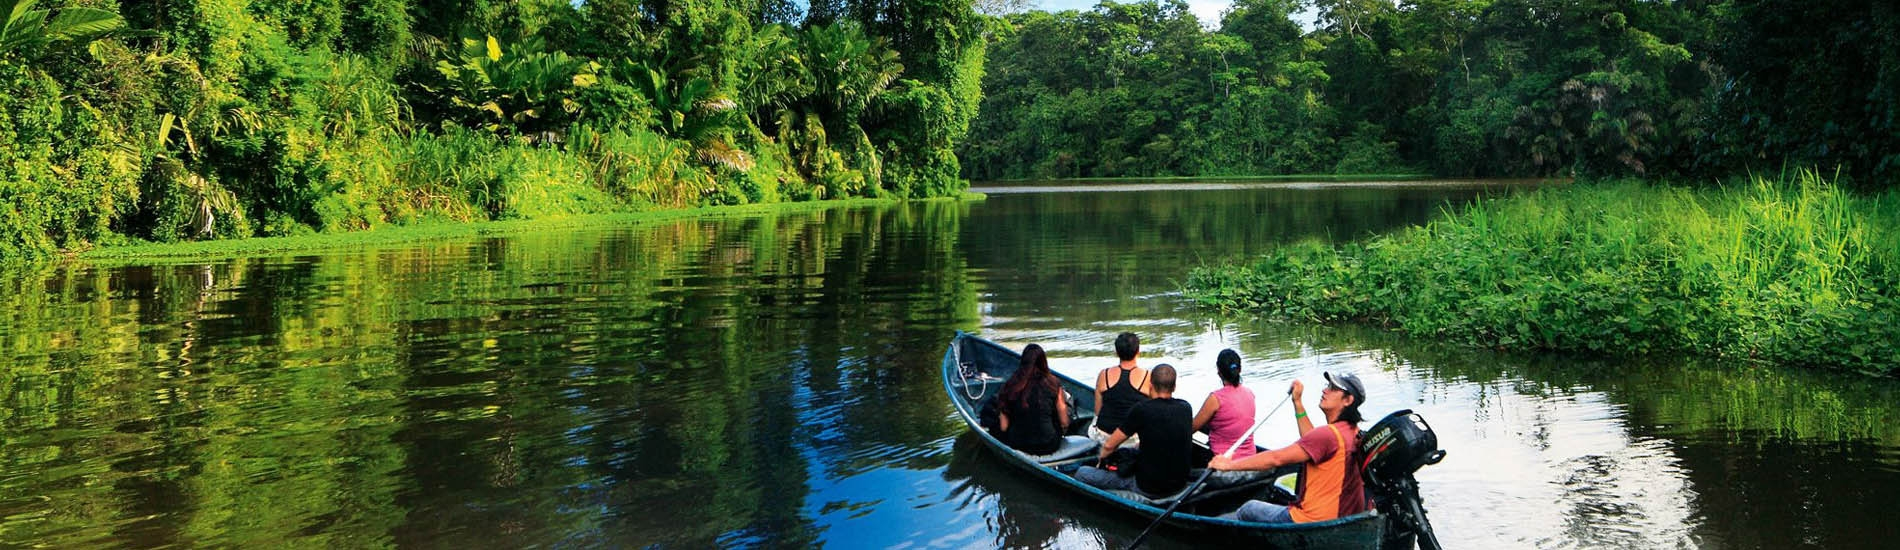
(1228, 365)
(1162, 377)
(1127, 345)
(1351, 412)
(1033, 371)
(1351, 387)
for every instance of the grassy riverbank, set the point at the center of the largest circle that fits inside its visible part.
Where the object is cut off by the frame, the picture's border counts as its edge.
(148, 252)
(1790, 271)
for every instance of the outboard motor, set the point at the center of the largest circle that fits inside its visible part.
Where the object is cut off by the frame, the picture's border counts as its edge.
(1393, 449)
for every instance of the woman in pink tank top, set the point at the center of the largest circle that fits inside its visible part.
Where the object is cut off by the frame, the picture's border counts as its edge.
(1228, 412)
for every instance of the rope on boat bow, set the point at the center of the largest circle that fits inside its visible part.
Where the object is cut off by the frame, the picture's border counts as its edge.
(964, 371)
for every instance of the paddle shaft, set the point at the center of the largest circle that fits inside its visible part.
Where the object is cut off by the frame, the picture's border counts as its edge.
(1204, 475)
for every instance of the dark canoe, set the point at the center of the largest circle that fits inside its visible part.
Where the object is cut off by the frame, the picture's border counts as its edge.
(974, 370)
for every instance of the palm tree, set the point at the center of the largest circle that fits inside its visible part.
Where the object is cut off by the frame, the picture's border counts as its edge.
(848, 71)
(850, 68)
(27, 28)
(689, 108)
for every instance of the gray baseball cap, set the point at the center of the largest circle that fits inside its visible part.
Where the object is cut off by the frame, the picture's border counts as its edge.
(1350, 383)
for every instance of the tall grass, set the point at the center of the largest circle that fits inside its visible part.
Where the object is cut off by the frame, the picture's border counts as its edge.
(1787, 270)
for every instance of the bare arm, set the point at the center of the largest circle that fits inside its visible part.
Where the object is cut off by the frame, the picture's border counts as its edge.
(1002, 421)
(1114, 442)
(1291, 454)
(1062, 409)
(1100, 379)
(1207, 412)
(1299, 409)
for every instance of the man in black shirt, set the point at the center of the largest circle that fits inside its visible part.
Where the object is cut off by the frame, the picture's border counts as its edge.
(1164, 425)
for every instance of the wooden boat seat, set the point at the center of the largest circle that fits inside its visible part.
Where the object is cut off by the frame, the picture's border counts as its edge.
(1073, 447)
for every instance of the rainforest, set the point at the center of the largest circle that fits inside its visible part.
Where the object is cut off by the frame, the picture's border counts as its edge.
(180, 120)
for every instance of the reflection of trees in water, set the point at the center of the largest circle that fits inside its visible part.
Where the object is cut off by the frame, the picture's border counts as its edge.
(762, 345)
(1054, 262)
(1672, 395)
(665, 384)
(172, 425)
(1765, 456)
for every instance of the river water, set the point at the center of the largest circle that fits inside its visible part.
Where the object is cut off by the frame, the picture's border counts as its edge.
(771, 381)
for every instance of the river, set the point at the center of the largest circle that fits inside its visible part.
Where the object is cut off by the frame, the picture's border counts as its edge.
(771, 381)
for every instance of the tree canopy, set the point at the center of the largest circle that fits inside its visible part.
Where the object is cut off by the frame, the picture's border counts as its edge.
(1453, 87)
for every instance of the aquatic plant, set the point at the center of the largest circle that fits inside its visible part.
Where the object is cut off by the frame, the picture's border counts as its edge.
(1787, 270)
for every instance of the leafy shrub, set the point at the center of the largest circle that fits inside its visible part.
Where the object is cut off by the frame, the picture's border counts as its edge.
(1790, 271)
(64, 175)
(642, 167)
(1365, 153)
(548, 183)
(518, 89)
(378, 30)
(459, 169)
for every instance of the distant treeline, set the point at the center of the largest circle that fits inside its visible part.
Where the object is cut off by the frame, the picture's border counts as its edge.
(191, 119)
(1688, 88)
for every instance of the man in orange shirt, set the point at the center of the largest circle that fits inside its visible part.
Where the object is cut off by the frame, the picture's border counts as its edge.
(1330, 485)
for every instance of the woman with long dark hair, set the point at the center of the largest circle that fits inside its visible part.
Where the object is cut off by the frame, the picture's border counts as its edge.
(1034, 411)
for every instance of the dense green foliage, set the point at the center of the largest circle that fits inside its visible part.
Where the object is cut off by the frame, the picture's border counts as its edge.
(196, 119)
(1459, 87)
(1792, 271)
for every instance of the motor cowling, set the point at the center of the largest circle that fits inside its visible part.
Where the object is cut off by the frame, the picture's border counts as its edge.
(1398, 445)
(1391, 451)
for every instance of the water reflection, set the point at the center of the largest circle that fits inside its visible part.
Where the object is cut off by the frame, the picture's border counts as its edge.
(771, 381)
(1647, 453)
(682, 385)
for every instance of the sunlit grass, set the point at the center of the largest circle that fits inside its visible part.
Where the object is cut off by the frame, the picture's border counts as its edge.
(1787, 270)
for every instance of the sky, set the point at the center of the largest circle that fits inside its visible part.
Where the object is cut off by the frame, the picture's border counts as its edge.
(1208, 11)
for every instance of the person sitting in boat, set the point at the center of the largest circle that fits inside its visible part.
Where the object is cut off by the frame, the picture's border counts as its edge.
(1165, 424)
(1118, 389)
(1329, 485)
(1228, 412)
(1033, 410)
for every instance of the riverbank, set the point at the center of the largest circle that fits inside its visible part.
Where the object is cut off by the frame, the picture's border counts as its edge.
(1789, 271)
(393, 236)
(1101, 185)
(1329, 178)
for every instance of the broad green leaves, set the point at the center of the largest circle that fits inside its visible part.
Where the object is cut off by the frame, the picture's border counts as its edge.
(28, 28)
(526, 91)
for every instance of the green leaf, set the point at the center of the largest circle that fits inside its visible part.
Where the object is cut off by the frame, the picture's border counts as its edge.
(82, 22)
(165, 129)
(494, 49)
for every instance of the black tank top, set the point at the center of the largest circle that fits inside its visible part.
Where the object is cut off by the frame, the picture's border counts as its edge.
(1116, 402)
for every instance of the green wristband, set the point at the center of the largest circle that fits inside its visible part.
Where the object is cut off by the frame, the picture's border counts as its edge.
(1300, 414)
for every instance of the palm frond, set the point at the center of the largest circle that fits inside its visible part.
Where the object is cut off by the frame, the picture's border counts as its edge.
(79, 23)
